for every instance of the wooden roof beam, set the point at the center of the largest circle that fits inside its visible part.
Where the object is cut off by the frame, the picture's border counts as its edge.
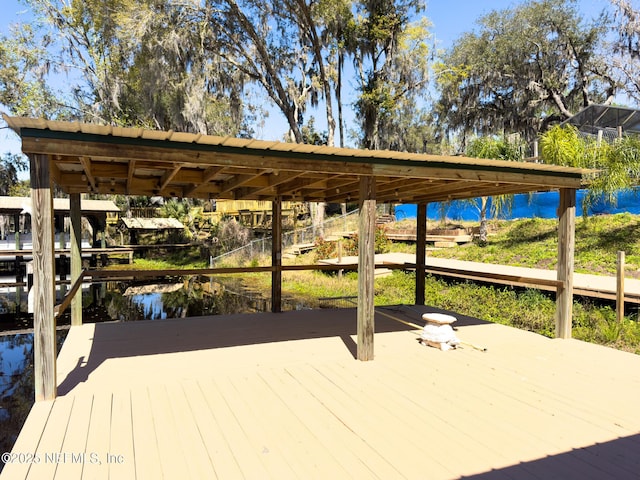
(86, 165)
(274, 179)
(130, 173)
(208, 175)
(344, 194)
(240, 180)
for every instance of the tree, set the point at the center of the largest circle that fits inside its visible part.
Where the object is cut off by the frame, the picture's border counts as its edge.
(24, 68)
(133, 63)
(524, 69)
(277, 45)
(498, 149)
(625, 57)
(616, 165)
(391, 59)
(10, 165)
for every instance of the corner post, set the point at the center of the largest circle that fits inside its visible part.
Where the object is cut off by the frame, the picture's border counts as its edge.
(276, 255)
(76, 255)
(366, 267)
(421, 255)
(44, 337)
(566, 247)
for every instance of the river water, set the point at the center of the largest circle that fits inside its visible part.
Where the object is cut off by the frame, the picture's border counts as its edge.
(114, 301)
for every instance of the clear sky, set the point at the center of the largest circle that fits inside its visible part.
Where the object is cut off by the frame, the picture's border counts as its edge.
(449, 18)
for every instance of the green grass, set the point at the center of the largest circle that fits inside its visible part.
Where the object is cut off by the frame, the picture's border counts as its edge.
(534, 243)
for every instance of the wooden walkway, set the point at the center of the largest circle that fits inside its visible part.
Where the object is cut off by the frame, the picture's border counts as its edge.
(597, 286)
(280, 396)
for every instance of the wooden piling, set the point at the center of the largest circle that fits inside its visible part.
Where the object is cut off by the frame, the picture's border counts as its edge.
(276, 255)
(44, 338)
(366, 268)
(421, 239)
(75, 212)
(620, 267)
(566, 247)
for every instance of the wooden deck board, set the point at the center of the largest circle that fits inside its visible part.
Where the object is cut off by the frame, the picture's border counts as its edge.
(122, 459)
(499, 414)
(173, 455)
(50, 444)
(315, 425)
(28, 440)
(199, 463)
(281, 396)
(98, 438)
(242, 447)
(145, 444)
(219, 450)
(75, 439)
(286, 439)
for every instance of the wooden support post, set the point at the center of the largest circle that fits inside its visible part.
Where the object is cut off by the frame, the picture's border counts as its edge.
(44, 337)
(566, 247)
(366, 267)
(276, 255)
(20, 267)
(620, 264)
(19, 258)
(421, 240)
(76, 255)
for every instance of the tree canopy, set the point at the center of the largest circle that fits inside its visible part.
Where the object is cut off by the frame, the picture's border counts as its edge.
(208, 66)
(616, 164)
(522, 69)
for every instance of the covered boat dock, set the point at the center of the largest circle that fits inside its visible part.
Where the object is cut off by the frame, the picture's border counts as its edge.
(338, 394)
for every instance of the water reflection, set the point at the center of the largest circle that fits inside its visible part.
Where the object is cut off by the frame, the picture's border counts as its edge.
(112, 301)
(195, 297)
(16, 384)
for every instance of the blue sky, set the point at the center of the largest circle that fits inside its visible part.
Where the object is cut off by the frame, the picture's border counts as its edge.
(449, 18)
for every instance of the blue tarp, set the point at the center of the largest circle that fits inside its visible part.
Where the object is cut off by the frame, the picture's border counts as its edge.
(536, 205)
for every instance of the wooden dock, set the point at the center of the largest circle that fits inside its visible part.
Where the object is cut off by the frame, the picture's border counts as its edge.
(281, 396)
(588, 285)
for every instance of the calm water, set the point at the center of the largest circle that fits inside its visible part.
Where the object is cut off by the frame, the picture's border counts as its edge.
(115, 301)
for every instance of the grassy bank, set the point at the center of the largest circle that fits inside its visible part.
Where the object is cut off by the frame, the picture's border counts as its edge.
(534, 243)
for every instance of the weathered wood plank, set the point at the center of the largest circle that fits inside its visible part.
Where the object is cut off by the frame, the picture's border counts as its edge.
(366, 267)
(620, 268)
(421, 253)
(44, 338)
